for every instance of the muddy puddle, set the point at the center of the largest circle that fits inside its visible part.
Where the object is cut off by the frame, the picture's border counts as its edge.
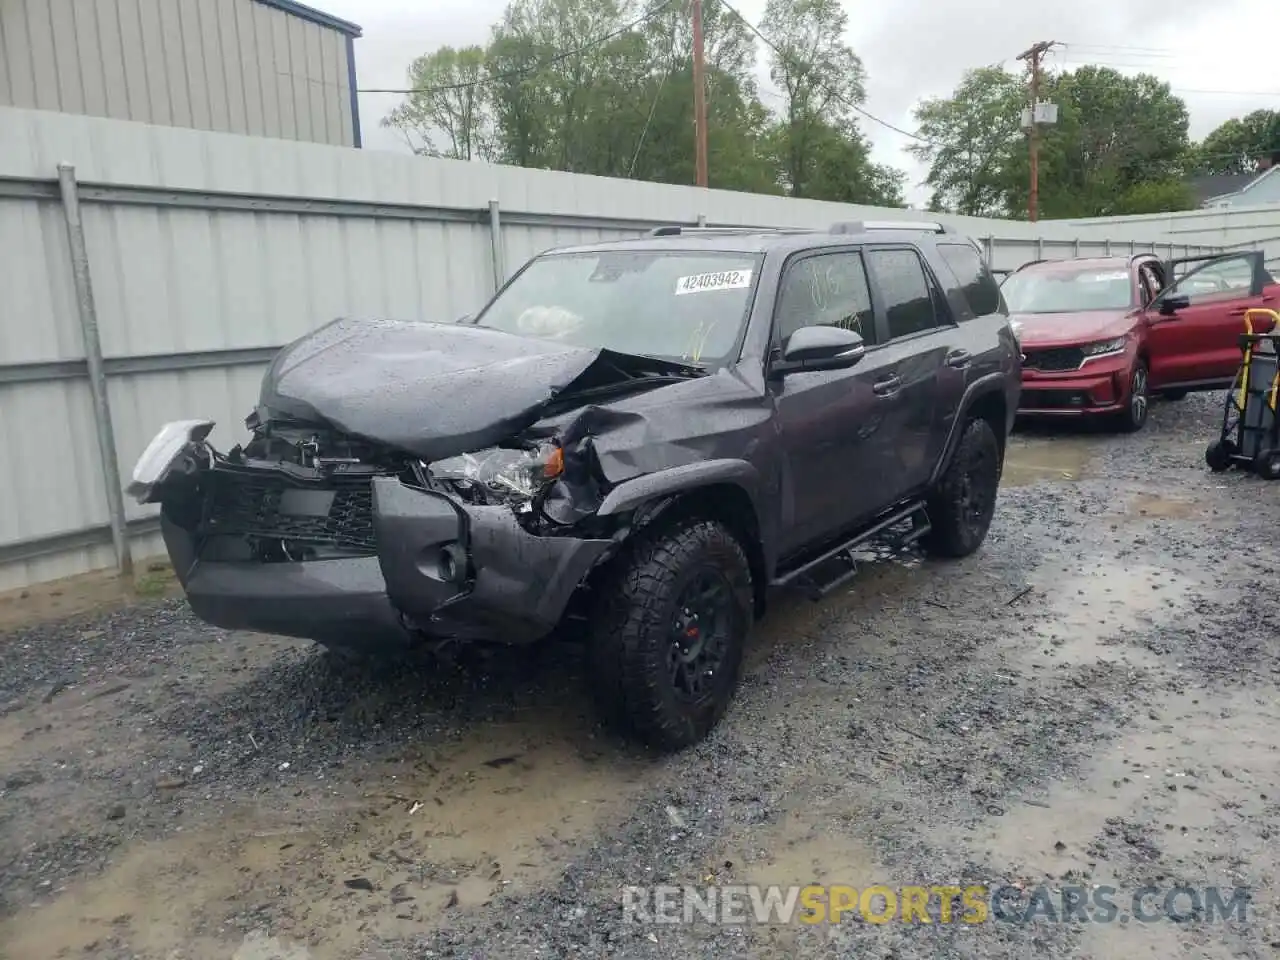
(1088, 611)
(804, 850)
(394, 851)
(1034, 459)
(1186, 785)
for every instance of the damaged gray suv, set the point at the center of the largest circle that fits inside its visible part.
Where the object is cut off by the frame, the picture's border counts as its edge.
(638, 438)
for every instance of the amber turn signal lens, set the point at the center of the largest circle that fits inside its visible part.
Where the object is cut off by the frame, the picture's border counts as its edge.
(555, 464)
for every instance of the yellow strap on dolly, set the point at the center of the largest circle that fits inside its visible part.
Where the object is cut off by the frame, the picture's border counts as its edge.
(1248, 354)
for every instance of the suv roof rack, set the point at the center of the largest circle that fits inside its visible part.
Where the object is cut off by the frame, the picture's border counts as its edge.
(863, 226)
(680, 230)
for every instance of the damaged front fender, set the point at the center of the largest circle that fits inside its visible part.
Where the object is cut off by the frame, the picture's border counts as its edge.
(633, 493)
(473, 571)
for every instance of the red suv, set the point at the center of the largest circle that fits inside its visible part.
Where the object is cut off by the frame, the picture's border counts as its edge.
(1100, 336)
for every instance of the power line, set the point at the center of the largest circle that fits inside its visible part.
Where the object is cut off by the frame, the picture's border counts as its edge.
(1229, 93)
(1192, 90)
(1146, 68)
(654, 108)
(1100, 57)
(542, 64)
(833, 93)
(1113, 51)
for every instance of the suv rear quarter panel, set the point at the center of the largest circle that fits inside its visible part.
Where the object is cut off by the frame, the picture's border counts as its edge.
(995, 367)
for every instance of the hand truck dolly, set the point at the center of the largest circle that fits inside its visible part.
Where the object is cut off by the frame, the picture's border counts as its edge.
(1250, 435)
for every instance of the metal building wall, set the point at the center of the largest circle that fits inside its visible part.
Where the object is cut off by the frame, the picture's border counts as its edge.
(232, 66)
(208, 251)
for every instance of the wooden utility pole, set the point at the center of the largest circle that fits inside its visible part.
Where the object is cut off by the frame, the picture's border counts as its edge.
(699, 95)
(1034, 56)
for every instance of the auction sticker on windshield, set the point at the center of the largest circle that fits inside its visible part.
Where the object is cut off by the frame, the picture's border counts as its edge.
(704, 282)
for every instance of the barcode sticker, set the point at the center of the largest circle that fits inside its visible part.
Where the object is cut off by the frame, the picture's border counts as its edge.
(705, 282)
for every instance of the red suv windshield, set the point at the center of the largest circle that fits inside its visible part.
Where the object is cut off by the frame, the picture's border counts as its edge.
(1058, 290)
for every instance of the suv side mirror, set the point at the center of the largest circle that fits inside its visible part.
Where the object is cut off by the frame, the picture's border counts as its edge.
(1173, 303)
(820, 348)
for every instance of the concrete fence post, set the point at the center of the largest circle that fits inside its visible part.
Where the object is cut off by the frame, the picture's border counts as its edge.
(1075, 247)
(495, 246)
(1039, 248)
(97, 374)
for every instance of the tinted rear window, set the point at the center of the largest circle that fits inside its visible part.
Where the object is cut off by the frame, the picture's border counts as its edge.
(977, 284)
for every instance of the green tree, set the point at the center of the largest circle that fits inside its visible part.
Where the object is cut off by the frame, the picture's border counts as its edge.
(1236, 146)
(1155, 196)
(520, 101)
(448, 112)
(1113, 133)
(738, 154)
(842, 170)
(606, 87)
(1119, 145)
(820, 152)
(973, 141)
(552, 73)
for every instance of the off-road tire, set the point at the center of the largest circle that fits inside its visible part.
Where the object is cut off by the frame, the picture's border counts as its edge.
(964, 501)
(632, 633)
(1137, 405)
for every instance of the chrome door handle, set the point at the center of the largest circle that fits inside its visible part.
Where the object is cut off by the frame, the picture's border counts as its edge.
(887, 388)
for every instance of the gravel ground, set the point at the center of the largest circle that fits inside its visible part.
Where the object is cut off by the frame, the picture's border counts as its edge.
(1088, 701)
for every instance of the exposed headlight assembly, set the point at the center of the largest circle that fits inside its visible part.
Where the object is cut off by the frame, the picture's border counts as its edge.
(1103, 347)
(519, 474)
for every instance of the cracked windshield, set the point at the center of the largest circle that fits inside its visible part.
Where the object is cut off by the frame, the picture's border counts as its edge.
(653, 479)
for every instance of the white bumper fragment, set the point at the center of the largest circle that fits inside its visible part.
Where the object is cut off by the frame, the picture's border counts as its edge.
(157, 460)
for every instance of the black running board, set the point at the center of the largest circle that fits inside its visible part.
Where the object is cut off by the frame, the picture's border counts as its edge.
(805, 578)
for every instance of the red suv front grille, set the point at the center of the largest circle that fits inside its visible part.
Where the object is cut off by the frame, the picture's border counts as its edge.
(1054, 359)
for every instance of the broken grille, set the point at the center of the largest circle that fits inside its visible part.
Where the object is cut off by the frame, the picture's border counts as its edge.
(272, 508)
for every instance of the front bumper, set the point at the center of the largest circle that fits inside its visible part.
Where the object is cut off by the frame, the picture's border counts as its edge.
(442, 569)
(1098, 387)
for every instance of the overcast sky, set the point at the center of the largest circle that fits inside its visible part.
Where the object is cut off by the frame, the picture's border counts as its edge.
(1221, 58)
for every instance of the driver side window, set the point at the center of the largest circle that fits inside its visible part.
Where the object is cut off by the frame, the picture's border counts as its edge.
(1225, 279)
(829, 289)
